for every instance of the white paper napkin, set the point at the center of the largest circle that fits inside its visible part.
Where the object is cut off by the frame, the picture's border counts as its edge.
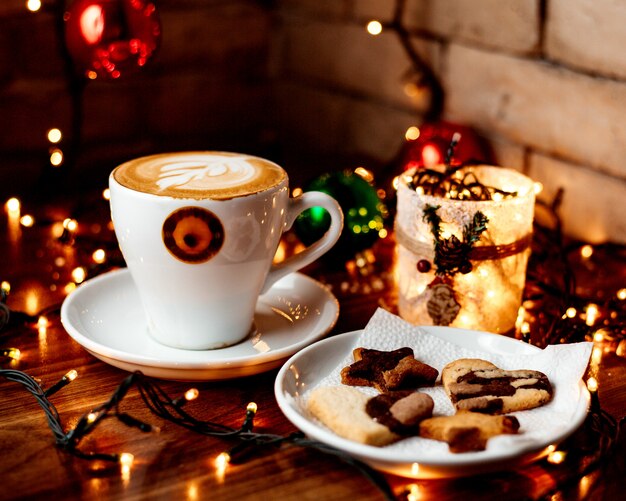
(563, 364)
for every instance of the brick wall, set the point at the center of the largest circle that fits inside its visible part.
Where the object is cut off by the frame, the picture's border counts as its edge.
(543, 81)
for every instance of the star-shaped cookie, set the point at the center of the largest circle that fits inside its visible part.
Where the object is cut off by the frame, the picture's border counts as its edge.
(388, 370)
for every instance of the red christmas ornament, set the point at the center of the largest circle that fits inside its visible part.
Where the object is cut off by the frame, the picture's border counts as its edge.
(108, 39)
(430, 147)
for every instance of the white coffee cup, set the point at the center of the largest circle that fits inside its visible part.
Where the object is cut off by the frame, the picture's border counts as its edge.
(198, 232)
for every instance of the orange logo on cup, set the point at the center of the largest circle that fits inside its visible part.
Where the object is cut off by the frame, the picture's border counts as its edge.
(193, 235)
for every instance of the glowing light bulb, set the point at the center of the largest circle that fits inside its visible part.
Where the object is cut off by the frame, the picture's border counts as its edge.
(42, 322)
(13, 205)
(33, 5)
(431, 155)
(5, 287)
(585, 485)
(67, 378)
(222, 460)
(556, 457)
(79, 274)
(537, 187)
(192, 492)
(91, 417)
(412, 133)
(27, 220)
(364, 173)
(464, 319)
(252, 407)
(586, 251)
(596, 356)
(56, 157)
(413, 493)
(374, 28)
(415, 469)
(191, 394)
(296, 192)
(525, 328)
(106, 194)
(99, 256)
(591, 314)
(570, 312)
(592, 384)
(13, 353)
(70, 224)
(621, 294)
(54, 135)
(620, 351)
(126, 459)
(221, 463)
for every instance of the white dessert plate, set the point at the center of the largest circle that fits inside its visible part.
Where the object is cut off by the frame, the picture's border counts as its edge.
(308, 367)
(104, 315)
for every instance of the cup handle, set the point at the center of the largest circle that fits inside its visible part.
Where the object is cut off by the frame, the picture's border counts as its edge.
(296, 207)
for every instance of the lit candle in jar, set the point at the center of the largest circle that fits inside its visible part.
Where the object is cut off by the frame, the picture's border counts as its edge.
(463, 246)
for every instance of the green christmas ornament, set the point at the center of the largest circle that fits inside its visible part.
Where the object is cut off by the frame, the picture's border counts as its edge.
(363, 210)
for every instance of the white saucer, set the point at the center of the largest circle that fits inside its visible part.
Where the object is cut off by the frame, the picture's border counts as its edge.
(104, 315)
(308, 367)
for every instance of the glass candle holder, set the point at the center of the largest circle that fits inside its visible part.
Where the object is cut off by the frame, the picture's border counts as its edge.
(462, 263)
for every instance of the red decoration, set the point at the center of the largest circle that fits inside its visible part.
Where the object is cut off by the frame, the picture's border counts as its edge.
(423, 266)
(108, 39)
(430, 147)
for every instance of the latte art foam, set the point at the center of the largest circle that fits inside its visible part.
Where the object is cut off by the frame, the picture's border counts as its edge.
(199, 175)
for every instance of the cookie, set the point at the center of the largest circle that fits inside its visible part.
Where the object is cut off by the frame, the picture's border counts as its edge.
(400, 411)
(388, 370)
(480, 386)
(342, 409)
(467, 431)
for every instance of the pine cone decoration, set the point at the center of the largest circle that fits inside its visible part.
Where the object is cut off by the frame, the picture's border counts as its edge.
(450, 255)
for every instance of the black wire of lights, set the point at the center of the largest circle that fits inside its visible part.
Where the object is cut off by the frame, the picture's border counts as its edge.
(160, 404)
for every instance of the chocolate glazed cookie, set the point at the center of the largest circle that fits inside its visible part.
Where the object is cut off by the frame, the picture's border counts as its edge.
(388, 370)
(480, 386)
(400, 411)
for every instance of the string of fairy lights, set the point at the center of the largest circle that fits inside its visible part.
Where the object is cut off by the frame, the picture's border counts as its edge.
(170, 409)
(552, 312)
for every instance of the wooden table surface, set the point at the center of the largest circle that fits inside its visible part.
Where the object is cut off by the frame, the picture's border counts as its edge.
(176, 463)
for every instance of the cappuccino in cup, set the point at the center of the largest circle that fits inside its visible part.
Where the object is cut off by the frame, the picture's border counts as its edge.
(218, 176)
(198, 232)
